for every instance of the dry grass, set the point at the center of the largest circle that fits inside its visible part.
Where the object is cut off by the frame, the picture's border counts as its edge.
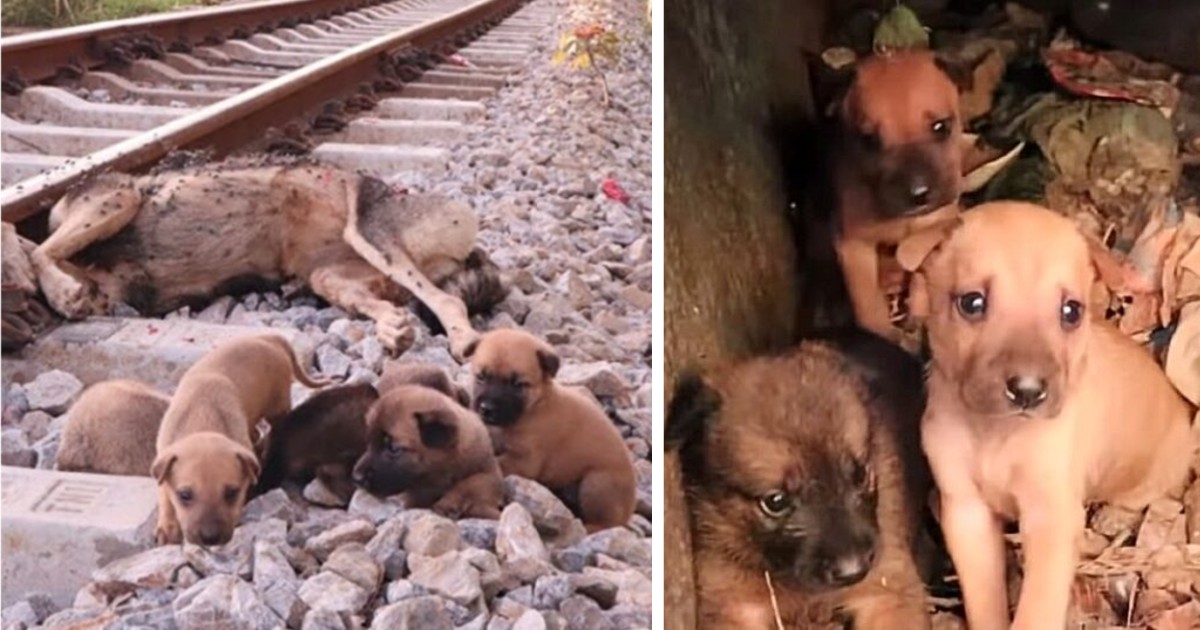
(56, 13)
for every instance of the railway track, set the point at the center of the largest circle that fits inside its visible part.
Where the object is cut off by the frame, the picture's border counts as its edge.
(374, 86)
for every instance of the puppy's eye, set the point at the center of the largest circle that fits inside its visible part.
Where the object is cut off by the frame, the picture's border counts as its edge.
(776, 504)
(972, 305)
(389, 445)
(941, 128)
(1071, 314)
(231, 494)
(870, 140)
(480, 377)
(185, 495)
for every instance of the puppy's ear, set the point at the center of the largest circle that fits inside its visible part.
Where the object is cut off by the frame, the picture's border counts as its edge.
(548, 360)
(471, 348)
(915, 250)
(436, 430)
(960, 71)
(692, 406)
(162, 465)
(250, 465)
(1108, 268)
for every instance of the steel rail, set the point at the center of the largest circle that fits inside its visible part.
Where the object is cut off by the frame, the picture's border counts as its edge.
(38, 56)
(226, 125)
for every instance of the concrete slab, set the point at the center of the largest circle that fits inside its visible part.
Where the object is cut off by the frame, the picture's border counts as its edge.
(122, 88)
(415, 132)
(438, 77)
(429, 109)
(270, 42)
(56, 140)
(158, 72)
(150, 350)
(249, 53)
(57, 528)
(420, 89)
(16, 167)
(382, 160)
(55, 105)
(188, 64)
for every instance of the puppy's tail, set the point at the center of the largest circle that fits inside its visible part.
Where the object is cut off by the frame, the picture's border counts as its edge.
(298, 371)
(477, 284)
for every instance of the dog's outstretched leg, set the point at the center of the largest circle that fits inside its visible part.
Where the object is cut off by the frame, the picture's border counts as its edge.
(93, 214)
(358, 288)
(398, 266)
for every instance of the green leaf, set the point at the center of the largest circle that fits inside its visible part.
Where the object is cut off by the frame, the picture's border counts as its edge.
(900, 29)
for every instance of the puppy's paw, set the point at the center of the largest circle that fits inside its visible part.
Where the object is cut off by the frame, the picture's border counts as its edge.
(168, 533)
(450, 507)
(460, 341)
(395, 331)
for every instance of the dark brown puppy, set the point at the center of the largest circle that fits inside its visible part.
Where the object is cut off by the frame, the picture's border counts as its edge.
(551, 434)
(806, 468)
(422, 443)
(323, 437)
(898, 168)
(396, 373)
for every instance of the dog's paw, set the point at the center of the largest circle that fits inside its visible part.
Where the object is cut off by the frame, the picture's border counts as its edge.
(395, 331)
(166, 533)
(460, 341)
(72, 298)
(450, 508)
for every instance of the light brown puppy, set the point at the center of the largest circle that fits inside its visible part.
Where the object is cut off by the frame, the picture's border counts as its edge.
(112, 428)
(897, 169)
(555, 436)
(206, 464)
(1035, 406)
(436, 452)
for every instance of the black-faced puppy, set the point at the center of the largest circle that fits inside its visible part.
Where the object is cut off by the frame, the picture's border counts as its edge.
(436, 452)
(551, 434)
(205, 463)
(111, 429)
(898, 168)
(1036, 408)
(323, 437)
(804, 475)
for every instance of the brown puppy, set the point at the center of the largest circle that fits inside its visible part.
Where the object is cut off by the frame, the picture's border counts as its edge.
(205, 465)
(1035, 408)
(396, 373)
(897, 170)
(422, 443)
(111, 429)
(555, 436)
(806, 468)
(322, 437)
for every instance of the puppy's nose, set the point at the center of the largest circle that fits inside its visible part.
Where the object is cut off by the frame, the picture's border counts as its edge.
(211, 538)
(1025, 392)
(850, 568)
(918, 192)
(486, 407)
(360, 475)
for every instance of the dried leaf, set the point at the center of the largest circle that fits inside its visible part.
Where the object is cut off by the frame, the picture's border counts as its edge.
(979, 174)
(1183, 356)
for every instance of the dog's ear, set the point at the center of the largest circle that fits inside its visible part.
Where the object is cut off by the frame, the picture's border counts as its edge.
(250, 466)
(548, 360)
(162, 465)
(471, 348)
(1108, 269)
(960, 71)
(914, 251)
(692, 406)
(436, 430)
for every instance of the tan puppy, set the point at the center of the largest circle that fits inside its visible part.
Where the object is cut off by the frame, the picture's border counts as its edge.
(111, 429)
(205, 465)
(555, 436)
(1035, 407)
(898, 168)
(422, 443)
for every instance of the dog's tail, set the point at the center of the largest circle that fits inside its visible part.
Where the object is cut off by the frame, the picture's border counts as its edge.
(478, 284)
(298, 371)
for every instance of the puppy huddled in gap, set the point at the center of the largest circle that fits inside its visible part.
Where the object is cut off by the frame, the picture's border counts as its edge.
(1036, 407)
(897, 168)
(806, 486)
(426, 445)
(112, 428)
(549, 433)
(205, 462)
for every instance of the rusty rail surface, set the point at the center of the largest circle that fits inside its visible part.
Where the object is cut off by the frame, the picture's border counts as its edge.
(37, 57)
(231, 123)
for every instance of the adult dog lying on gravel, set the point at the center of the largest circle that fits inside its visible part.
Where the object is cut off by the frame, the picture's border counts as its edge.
(161, 241)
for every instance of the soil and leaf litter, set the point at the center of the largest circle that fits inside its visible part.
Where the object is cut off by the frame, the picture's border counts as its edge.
(1112, 140)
